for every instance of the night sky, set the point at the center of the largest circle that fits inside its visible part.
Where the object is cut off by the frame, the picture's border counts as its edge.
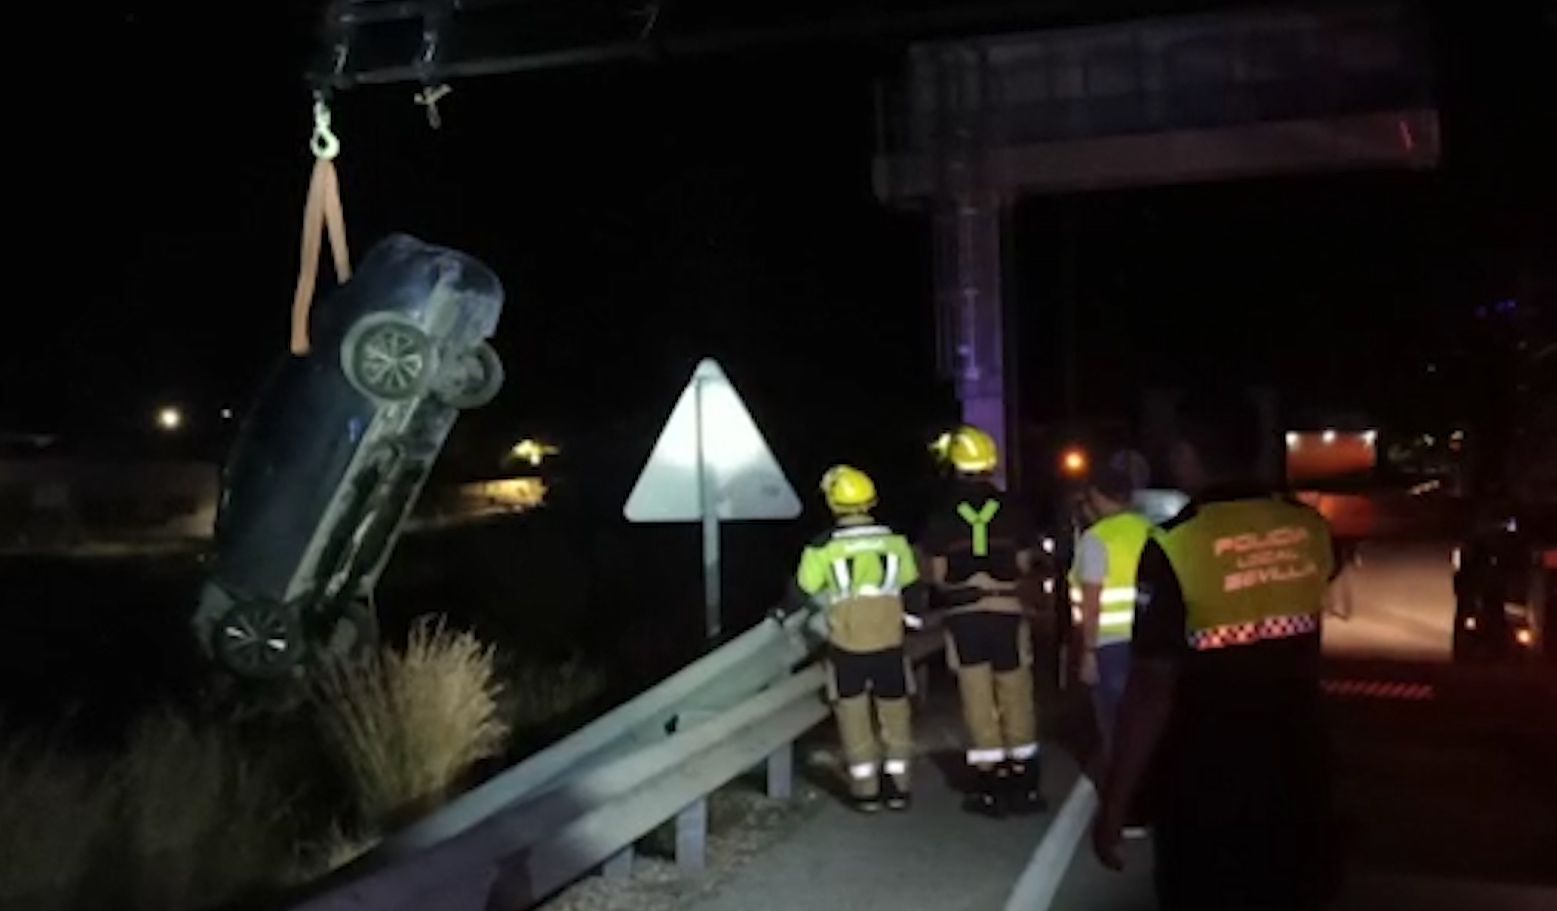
(645, 215)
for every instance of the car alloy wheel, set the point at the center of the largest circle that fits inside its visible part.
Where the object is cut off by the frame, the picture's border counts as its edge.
(388, 357)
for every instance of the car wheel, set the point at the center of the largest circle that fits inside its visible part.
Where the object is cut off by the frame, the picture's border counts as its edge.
(258, 639)
(471, 380)
(387, 357)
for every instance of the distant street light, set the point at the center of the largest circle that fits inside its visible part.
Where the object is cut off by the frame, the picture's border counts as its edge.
(169, 418)
(1074, 462)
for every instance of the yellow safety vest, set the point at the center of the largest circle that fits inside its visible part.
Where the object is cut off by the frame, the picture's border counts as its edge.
(1123, 536)
(857, 573)
(1250, 570)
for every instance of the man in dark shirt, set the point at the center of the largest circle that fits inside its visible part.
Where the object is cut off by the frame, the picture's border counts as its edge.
(1222, 705)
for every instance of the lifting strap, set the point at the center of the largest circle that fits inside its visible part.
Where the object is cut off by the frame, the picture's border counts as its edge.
(321, 212)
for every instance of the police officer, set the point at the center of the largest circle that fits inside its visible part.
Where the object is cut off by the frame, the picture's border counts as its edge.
(858, 573)
(1102, 582)
(1223, 697)
(980, 543)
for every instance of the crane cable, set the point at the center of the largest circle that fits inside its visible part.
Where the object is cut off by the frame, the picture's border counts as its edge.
(321, 213)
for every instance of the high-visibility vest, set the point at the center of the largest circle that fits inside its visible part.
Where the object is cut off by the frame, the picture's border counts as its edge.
(1250, 570)
(855, 561)
(857, 574)
(1123, 536)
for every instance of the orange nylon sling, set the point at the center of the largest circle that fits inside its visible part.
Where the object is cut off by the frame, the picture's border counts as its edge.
(321, 213)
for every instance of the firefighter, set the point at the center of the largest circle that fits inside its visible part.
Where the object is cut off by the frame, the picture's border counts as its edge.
(858, 573)
(1102, 582)
(980, 542)
(1223, 701)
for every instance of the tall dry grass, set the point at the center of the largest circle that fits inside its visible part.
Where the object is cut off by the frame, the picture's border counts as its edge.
(54, 810)
(180, 821)
(205, 821)
(335, 848)
(539, 694)
(189, 817)
(406, 725)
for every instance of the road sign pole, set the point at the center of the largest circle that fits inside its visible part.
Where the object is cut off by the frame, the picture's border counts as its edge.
(708, 507)
(709, 465)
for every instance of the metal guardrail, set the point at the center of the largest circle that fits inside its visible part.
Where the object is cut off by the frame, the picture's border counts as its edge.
(585, 801)
(733, 672)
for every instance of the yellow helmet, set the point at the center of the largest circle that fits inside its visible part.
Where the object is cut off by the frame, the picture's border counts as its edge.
(848, 490)
(969, 450)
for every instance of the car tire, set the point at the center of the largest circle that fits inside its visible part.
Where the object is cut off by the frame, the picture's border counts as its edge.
(471, 380)
(388, 358)
(258, 640)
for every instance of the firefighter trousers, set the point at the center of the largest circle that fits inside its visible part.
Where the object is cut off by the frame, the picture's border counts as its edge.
(991, 654)
(860, 682)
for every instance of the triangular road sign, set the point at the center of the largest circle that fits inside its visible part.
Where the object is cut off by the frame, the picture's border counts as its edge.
(710, 425)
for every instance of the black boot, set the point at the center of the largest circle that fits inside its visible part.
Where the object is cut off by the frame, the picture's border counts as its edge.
(863, 803)
(984, 798)
(895, 797)
(1023, 793)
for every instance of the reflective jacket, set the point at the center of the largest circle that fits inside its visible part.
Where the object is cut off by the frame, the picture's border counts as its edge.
(1123, 536)
(1250, 571)
(980, 532)
(857, 573)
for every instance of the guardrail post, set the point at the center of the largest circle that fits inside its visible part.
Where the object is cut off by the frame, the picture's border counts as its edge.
(692, 837)
(781, 772)
(620, 865)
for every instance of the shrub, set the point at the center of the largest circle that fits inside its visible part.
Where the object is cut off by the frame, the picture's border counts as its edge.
(54, 808)
(328, 853)
(537, 694)
(406, 725)
(182, 820)
(204, 823)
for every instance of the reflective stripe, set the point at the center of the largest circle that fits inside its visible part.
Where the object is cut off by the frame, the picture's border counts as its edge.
(870, 591)
(1024, 752)
(890, 582)
(1254, 631)
(862, 770)
(978, 520)
(888, 586)
(861, 531)
(897, 767)
(841, 577)
(1121, 595)
(1121, 617)
(985, 757)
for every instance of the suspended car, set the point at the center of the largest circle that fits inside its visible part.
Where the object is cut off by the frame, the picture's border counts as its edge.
(333, 453)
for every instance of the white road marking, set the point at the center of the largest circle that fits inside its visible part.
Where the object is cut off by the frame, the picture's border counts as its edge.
(1036, 886)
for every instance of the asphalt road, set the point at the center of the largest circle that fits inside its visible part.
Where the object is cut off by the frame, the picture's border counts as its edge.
(1445, 781)
(934, 856)
(1401, 601)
